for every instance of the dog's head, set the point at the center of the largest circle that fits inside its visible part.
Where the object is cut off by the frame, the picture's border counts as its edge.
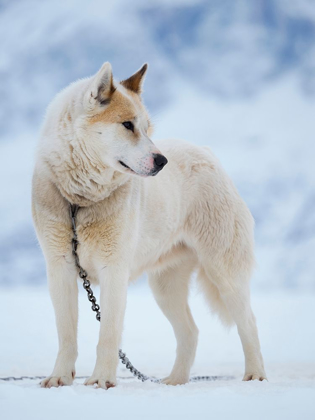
(116, 124)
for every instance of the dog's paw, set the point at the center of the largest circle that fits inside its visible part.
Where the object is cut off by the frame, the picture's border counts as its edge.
(55, 381)
(175, 380)
(255, 376)
(100, 382)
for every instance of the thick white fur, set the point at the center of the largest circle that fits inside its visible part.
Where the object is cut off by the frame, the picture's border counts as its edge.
(189, 217)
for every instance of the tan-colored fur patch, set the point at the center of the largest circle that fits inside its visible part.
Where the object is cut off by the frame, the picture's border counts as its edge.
(120, 109)
(134, 82)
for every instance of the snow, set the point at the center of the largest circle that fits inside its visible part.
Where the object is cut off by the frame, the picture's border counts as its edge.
(285, 322)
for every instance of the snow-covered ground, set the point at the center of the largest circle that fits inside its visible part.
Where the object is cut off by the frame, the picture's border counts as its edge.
(286, 325)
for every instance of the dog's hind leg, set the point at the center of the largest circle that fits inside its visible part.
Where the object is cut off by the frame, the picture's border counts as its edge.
(230, 298)
(170, 289)
(63, 287)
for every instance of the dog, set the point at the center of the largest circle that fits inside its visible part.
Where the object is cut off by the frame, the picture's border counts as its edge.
(168, 210)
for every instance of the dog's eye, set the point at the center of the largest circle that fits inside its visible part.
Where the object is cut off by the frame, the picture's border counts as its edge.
(128, 125)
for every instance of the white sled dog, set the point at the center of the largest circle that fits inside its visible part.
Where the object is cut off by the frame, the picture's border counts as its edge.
(95, 151)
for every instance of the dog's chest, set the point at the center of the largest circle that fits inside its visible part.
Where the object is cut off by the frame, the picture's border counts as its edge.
(98, 243)
(118, 240)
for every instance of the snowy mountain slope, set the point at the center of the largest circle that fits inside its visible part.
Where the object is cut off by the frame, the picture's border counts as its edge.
(227, 48)
(235, 75)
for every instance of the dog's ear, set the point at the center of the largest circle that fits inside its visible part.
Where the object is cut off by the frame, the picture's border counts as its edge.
(102, 86)
(134, 83)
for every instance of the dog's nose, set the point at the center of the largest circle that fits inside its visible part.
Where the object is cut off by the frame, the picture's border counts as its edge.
(159, 162)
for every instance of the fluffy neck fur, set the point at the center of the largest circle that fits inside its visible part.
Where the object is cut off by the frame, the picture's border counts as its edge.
(82, 181)
(78, 173)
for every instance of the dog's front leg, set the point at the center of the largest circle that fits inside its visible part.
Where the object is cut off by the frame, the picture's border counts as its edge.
(63, 287)
(113, 284)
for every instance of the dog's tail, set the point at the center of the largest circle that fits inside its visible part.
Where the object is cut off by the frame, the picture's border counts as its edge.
(214, 298)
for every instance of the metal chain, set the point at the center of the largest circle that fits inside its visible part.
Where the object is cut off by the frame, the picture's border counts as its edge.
(193, 379)
(21, 378)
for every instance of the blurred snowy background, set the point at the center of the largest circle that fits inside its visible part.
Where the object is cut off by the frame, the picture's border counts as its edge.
(237, 75)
